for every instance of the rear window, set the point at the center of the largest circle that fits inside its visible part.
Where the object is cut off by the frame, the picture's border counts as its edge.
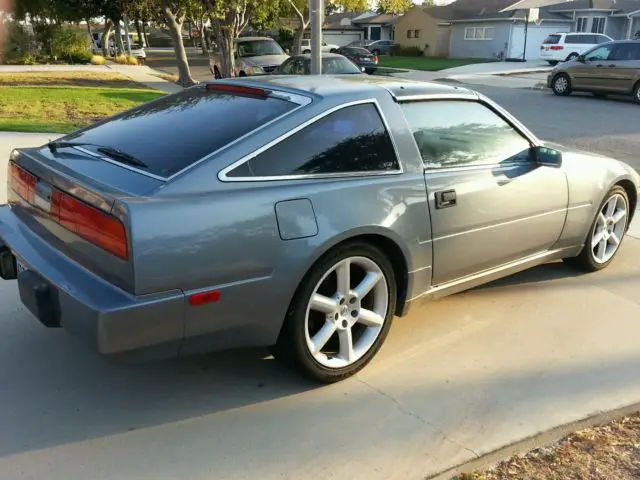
(176, 131)
(552, 40)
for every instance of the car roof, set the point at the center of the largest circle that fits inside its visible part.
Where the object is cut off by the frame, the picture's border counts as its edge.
(324, 55)
(252, 39)
(328, 86)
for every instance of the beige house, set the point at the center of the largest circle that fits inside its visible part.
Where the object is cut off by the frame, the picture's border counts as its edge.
(428, 28)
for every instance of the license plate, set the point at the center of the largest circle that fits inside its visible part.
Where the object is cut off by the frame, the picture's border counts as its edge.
(21, 266)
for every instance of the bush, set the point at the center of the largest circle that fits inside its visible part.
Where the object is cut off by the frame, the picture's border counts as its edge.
(121, 59)
(402, 51)
(70, 44)
(132, 60)
(21, 47)
(98, 60)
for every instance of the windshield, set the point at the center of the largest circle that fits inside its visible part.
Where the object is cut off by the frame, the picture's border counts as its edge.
(552, 40)
(256, 48)
(339, 66)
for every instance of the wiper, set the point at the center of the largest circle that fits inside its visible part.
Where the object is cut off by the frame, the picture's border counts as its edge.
(122, 157)
(113, 153)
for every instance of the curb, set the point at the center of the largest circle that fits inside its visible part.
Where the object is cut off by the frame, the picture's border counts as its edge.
(536, 441)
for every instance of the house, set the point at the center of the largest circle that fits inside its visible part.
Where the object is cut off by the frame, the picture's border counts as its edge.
(339, 29)
(375, 26)
(427, 28)
(479, 28)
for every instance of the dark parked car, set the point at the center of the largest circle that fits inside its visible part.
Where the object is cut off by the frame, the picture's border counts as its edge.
(300, 213)
(377, 47)
(610, 68)
(332, 64)
(361, 57)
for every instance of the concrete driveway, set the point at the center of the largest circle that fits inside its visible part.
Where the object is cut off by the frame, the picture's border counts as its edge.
(457, 378)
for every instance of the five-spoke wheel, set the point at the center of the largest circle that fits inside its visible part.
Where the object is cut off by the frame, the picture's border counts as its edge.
(341, 313)
(606, 233)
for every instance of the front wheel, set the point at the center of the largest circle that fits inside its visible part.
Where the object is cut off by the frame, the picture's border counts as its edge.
(606, 233)
(636, 93)
(341, 313)
(561, 85)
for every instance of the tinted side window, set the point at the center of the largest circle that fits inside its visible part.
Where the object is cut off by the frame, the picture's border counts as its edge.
(601, 39)
(571, 39)
(625, 52)
(462, 133)
(353, 139)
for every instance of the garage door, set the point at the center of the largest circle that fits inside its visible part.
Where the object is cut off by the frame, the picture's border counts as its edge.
(535, 36)
(340, 39)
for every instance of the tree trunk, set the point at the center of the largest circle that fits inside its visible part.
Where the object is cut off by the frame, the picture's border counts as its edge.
(144, 33)
(108, 26)
(227, 57)
(93, 40)
(304, 23)
(204, 45)
(119, 44)
(175, 30)
(141, 39)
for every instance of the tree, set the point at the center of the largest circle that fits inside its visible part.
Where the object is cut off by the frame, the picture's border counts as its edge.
(301, 10)
(394, 7)
(352, 6)
(173, 13)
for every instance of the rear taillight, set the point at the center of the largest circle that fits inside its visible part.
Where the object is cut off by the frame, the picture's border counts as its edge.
(375, 59)
(95, 226)
(557, 47)
(22, 182)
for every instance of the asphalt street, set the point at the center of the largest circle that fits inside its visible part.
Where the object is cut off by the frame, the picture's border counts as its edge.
(457, 378)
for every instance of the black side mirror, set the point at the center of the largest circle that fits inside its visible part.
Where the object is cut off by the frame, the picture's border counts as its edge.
(547, 156)
(581, 58)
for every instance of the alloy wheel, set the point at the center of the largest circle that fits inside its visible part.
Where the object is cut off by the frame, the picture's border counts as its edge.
(346, 312)
(610, 227)
(561, 84)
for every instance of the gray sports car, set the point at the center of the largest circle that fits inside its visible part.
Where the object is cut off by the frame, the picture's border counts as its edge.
(298, 213)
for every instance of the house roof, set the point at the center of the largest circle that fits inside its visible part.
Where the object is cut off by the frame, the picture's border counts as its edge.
(625, 6)
(336, 20)
(467, 10)
(383, 19)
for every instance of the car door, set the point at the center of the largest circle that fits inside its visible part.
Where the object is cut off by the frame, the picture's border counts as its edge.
(490, 202)
(622, 66)
(590, 73)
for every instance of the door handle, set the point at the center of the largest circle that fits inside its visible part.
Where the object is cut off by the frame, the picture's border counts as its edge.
(446, 199)
(599, 65)
(612, 66)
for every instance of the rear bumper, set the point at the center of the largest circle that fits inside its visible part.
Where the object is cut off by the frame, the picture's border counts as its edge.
(59, 292)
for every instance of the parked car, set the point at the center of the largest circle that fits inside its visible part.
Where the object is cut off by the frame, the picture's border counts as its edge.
(138, 51)
(332, 64)
(361, 57)
(566, 47)
(325, 47)
(300, 213)
(377, 47)
(612, 68)
(254, 56)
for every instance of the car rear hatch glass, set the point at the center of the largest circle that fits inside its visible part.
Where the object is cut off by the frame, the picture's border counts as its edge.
(552, 40)
(172, 133)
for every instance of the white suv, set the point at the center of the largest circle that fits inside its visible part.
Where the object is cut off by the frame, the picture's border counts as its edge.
(306, 46)
(561, 47)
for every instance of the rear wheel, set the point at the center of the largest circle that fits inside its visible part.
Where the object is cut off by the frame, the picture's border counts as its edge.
(553, 63)
(606, 233)
(572, 57)
(636, 93)
(341, 313)
(376, 52)
(306, 52)
(561, 84)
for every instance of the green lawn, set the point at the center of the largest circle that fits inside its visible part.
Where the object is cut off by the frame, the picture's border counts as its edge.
(55, 108)
(427, 63)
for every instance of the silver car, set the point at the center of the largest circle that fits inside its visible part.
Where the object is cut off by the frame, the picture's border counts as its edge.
(253, 56)
(297, 213)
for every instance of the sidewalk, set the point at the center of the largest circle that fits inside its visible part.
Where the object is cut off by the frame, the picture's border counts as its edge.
(141, 74)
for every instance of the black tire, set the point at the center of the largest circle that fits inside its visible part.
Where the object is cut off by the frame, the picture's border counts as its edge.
(636, 93)
(376, 53)
(292, 345)
(553, 63)
(216, 73)
(557, 83)
(306, 52)
(585, 259)
(333, 50)
(572, 57)
(242, 74)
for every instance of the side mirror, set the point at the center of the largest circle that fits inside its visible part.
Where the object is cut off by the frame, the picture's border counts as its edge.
(581, 58)
(547, 156)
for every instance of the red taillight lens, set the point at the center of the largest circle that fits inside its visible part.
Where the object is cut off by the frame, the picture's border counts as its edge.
(557, 47)
(95, 226)
(238, 89)
(375, 59)
(22, 182)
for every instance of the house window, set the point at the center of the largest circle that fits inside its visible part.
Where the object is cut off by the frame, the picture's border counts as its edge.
(409, 33)
(581, 24)
(478, 33)
(598, 24)
(416, 34)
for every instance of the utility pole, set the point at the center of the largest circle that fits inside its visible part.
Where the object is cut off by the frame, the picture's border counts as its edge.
(316, 8)
(125, 19)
